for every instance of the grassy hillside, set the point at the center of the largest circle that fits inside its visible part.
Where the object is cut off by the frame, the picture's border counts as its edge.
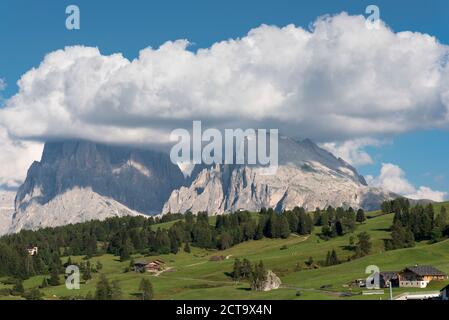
(194, 276)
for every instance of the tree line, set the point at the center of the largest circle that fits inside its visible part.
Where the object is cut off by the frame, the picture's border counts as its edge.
(337, 222)
(124, 236)
(414, 223)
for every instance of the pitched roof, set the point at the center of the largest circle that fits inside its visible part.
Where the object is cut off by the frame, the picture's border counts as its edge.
(389, 275)
(140, 262)
(425, 271)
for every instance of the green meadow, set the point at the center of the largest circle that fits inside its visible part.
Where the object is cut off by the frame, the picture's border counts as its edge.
(194, 276)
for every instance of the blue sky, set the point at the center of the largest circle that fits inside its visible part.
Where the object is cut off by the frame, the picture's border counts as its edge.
(31, 29)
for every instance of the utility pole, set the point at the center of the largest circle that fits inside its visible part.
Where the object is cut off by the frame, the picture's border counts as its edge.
(391, 291)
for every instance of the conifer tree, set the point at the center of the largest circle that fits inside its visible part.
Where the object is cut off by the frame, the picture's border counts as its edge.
(103, 289)
(284, 228)
(259, 276)
(18, 289)
(237, 270)
(125, 250)
(364, 245)
(147, 289)
(87, 273)
(44, 283)
(116, 291)
(54, 277)
(246, 269)
(360, 216)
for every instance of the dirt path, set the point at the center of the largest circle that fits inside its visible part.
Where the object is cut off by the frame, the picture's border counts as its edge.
(196, 264)
(331, 293)
(200, 280)
(157, 274)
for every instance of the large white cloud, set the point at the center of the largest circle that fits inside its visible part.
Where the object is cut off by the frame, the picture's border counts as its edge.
(15, 159)
(337, 81)
(392, 178)
(353, 150)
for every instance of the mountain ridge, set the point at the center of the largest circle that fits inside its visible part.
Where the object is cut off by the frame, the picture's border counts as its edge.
(77, 181)
(307, 176)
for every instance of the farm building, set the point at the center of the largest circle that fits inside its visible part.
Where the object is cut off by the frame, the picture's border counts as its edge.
(32, 251)
(388, 277)
(153, 266)
(384, 278)
(419, 276)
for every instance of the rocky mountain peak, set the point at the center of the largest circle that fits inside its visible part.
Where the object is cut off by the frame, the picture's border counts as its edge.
(307, 176)
(139, 179)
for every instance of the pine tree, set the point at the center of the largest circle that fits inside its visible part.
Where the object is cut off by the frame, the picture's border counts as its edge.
(284, 228)
(187, 247)
(260, 228)
(409, 239)
(103, 289)
(54, 277)
(33, 294)
(125, 250)
(363, 245)
(397, 235)
(87, 273)
(225, 241)
(397, 217)
(443, 215)
(259, 276)
(327, 262)
(386, 207)
(293, 221)
(246, 269)
(237, 270)
(339, 228)
(69, 262)
(333, 258)
(44, 283)
(174, 245)
(309, 262)
(360, 216)
(116, 291)
(18, 289)
(270, 230)
(147, 289)
(351, 241)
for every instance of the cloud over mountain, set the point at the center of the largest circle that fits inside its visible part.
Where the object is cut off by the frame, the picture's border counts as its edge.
(392, 178)
(339, 80)
(15, 159)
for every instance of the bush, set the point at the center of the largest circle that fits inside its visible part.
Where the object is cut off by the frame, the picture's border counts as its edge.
(5, 292)
(33, 294)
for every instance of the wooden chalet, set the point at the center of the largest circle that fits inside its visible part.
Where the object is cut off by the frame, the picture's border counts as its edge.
(419, 276)
(388, 277)
(32, 251)
(152, 266)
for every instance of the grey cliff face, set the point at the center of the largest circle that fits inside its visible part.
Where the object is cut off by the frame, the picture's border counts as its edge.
(77, 181)
(6, 210)
(139, 179)
(307, 176)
